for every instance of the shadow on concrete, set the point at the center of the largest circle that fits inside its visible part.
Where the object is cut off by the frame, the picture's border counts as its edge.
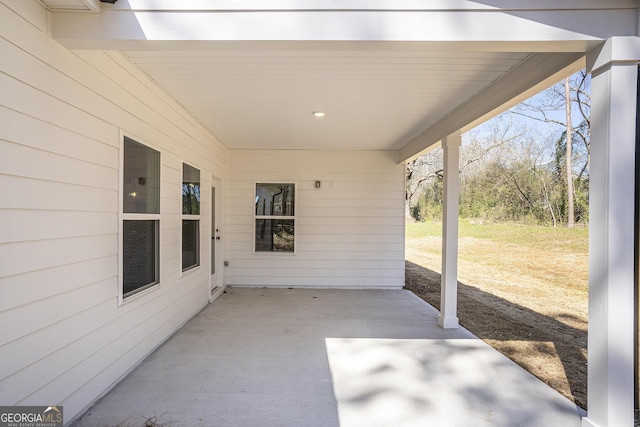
(439, 382)
(327, 358)
(493, 318)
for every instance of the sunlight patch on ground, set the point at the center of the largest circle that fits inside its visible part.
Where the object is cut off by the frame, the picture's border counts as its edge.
(419, 382)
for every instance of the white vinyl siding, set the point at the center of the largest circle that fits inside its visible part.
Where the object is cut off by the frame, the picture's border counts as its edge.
(63, 114)
(349, 232)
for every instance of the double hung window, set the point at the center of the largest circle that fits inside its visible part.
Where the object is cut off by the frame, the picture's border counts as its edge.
(140, 218)
(275, 219)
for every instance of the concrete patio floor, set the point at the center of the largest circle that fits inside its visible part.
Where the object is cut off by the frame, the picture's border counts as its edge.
(301, 357)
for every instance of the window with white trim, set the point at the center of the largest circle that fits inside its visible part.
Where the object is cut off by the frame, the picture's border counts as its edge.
(190, 217)
(140, 218)
(274, 221)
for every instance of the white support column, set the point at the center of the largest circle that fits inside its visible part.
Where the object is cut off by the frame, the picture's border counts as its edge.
(611, 233)
(449, 285)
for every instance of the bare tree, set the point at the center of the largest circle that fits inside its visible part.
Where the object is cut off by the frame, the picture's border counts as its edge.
(477, 149)
(546, 108)
(512, 170)
(569, 154)
(418, 171)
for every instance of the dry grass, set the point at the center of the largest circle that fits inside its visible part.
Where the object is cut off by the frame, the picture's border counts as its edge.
(521, 289)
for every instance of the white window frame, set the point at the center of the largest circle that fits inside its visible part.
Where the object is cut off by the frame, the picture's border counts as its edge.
(293, 217)
(122, 216)
(191, 217)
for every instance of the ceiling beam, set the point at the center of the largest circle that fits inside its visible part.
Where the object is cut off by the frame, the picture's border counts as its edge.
(93, 5)
(548, 30)
(208, 5)
(535, 74)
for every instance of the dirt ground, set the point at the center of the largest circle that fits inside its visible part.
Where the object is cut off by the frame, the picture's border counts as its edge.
(540, 324)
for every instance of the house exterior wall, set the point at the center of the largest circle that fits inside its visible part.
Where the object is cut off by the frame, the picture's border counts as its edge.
(349, 232)
(64, 337)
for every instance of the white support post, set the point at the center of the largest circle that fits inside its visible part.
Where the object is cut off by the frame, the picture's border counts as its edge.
(611, 234)
(449, 286)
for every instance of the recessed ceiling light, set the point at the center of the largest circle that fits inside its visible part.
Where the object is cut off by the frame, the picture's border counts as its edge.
(319, 114)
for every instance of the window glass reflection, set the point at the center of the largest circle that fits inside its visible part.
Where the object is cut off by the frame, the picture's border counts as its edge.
(275, 199)
(190, 190)
(274, 235)
(141, 178)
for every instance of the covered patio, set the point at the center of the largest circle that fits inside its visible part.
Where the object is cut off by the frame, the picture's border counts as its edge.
(111, 112)
(327, 358)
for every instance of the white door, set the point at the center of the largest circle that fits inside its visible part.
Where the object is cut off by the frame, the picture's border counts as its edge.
(215, 241)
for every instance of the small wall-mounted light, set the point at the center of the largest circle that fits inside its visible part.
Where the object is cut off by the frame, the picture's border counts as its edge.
(317, 184)
(319, 114)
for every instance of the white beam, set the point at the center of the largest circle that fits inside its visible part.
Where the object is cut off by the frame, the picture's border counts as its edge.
(611, 234)
(449, 283)
(535, 74)
(123, 27)
(94, 5)
(510, 5)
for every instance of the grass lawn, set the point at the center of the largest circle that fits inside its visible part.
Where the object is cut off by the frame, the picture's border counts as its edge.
(522, 289)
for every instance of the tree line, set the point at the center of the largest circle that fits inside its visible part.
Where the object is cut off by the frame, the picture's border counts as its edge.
(528, 165)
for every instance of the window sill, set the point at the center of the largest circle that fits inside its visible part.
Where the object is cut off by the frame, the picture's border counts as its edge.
(136, 296)
(190, 270)
(275, 253)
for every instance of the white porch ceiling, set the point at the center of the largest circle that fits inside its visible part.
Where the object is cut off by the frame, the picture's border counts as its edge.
(397, 75)
(374, 98)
